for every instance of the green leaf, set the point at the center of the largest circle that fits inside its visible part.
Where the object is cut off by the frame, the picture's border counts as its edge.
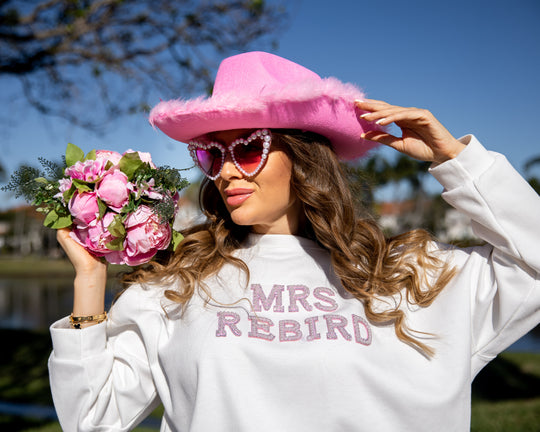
(56, 221)
(73, 154)
(62, 222)
(102, 208)
(116, 244)
(69, 193)
(116, 228)
(130, 163)
(91, 155)
(176, 240)
(50, 219)
(81, 185)
(41, 180)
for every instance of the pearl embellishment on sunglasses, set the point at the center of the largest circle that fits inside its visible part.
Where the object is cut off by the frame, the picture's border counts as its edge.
(262, 134)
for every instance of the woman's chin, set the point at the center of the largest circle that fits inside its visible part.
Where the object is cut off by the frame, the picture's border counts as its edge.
(239, 217)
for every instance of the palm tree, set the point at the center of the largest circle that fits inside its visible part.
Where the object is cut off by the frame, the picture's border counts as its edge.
(377, 171)
(533, 181)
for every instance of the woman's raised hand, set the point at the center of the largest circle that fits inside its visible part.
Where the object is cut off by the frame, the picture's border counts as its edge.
(90, 276)
(423, 137)
(81, 259)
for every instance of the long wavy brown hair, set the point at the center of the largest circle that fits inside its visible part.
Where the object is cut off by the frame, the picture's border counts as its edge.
(370, 266)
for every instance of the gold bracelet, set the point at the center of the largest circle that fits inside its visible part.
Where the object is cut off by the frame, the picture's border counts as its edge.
(76, 321)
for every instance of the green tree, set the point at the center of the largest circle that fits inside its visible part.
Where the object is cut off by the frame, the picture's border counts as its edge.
(90, 60)
(377, 171)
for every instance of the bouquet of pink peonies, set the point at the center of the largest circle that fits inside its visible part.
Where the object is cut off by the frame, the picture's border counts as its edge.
(120, 207)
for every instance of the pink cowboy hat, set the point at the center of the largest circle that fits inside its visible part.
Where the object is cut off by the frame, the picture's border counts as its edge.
(262, 90)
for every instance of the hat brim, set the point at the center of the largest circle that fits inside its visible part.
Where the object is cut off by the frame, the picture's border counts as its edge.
(328, 109)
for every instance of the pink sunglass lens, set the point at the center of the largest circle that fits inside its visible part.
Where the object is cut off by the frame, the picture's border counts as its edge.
(209, 160)
(249, 155)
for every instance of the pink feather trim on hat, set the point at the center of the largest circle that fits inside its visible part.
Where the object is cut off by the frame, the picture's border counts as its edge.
(297, 92)
(255, 90)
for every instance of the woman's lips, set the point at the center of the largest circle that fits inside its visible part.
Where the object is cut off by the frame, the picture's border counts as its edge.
(237, 196)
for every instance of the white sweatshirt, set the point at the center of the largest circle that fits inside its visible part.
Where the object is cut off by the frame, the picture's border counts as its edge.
(289, 350)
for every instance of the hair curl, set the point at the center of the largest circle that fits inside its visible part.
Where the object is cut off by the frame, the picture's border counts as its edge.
(369, 265)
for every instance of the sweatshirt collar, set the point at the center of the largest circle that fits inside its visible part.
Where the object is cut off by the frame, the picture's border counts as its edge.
(286, 241)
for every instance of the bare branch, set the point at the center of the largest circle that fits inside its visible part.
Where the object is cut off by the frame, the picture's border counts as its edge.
(32, 16)
(96, 52)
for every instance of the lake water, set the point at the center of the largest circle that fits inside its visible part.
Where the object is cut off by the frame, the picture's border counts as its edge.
(34, 304)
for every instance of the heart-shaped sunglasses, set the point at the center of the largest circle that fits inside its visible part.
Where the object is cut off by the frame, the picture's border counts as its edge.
(248, 154)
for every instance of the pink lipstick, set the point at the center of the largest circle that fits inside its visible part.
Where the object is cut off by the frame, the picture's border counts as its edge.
(237, 196)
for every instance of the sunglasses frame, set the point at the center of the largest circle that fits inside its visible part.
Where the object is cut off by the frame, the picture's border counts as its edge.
(263, 134)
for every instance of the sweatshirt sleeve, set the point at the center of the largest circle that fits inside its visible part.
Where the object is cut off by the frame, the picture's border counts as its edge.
(504, 275)
(102, 377)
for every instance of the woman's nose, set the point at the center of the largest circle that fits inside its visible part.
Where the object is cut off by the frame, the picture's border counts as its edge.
(229, 170)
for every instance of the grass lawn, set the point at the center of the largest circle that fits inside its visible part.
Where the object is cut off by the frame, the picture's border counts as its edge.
(521, 415)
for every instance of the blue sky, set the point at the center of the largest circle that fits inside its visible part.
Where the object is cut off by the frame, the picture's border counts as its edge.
(475, 64)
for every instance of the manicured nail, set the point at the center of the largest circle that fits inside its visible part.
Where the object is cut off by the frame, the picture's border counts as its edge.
(364, 115)
(380, 121)
(358, 101)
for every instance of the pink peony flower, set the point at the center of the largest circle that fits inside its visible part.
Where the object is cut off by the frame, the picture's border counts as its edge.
(113, 189)
(83, 207)
(145, 189)
(109, 155)
(146, 234)
(88, 171)
(95, 236)
(117, 257)
(144, 156)
(63, 186)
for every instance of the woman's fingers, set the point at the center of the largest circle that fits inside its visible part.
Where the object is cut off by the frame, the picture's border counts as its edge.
(368, 104)
(381, 137)
(384, 114)
(70, 246)
(423, 136)
(82, 260)
(410, 146)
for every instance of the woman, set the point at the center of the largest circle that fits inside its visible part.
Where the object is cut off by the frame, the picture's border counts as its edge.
(284, 312)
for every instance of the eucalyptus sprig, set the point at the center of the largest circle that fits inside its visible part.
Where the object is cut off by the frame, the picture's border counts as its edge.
(31, 182)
